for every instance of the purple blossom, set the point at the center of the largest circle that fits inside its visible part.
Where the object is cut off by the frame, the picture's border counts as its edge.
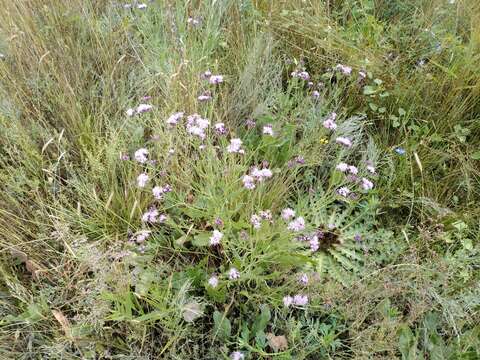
(237, 355)
(287, 213)
(142, 180)
(141, 155)
(124, 157)
(266, 215)
(215, 238)
(353, 170)
(314, 243)
(344, 141)
(366, 184)
(315, 94)
(261, 175)
(346, 70)
(303, 279)
(287, 301)
(143, 108)
(248, 182)
(206, 96)
(151, 216)
(343, 191)
(297, 225)
(329, 122)
(216, 79)
(300, 300)
(268, 130)
(250, 123)
(343, 167)
(174, 118)
(142, 235)
(235, 146)
(256, 221)
(213, 281)
(206, 75)
(220, 128)
(233, 274)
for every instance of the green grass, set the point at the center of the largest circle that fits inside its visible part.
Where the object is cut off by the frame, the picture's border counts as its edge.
(396, 272)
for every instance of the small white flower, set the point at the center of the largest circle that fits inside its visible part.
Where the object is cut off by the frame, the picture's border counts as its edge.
(215, 238)
(268, 130)
(343, 191)
(287, 301)
(235, 146)
(142, 108)
(248, 182)
(297, 225)
(216, 79)
(237, 355)
(233, 274)
(141, 155)
(130, 112)
(342, 167)
(353, 170)
(142, 180)
(371, 169)
(287, 213)
(367, 184)
(174, 118)
(213, 281)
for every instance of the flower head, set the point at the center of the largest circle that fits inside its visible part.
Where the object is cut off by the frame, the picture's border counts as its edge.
(315, 94)
(300, 300)
(343, 191)
(213, 281)
(205, 96)
(303, 279)
(233, 274)
(141, 155)
(175, 118)
(267, 130)
(235, 146)
(297, 225)
(130, 112)
(142, 180)
(151, 216)
(220, 128)
(366, 184)
(216, 79)
(329, 122)
(344, 141)
(248, 182)
(237, 355)
(142, 108)
(346, 70)
(287, 213)
(256, 221)
(142, 235)
(343, 167)
(353, 170)
(215, 238)
(287, 301)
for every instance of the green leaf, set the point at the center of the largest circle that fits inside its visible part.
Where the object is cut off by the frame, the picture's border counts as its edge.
(373, 106)
(262, 320)
(369, 90)
(222, 326)
(401, 112)
(475, 155)
(201, 240)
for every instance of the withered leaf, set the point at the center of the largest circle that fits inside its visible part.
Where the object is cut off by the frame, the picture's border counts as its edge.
(277, 342)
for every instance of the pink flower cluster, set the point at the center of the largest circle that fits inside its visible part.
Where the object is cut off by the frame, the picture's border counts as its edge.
(256, 175)
(329, 122)
(142, 108)
(196, 125)
(346, 70)
(301, 75)
(235, 146)
(297, 300)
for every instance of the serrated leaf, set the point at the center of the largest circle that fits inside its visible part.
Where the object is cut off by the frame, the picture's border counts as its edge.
(222, 326)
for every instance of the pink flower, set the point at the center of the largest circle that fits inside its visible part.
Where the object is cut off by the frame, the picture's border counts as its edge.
(344, 141)
(142, 108)
(268, 130)
(215, 238)
(301, 75)
(303, 279)
(366, 184)
(150, 216)
(142, 235)
(329, 122)
(300, 300)
(248, 182)
(314, 244)
(266, 215)
(343, 191)
(235, 146)
(207, 74)
(233, 274)
(237, 355)
(315, 94)
(205, 96)
(159, 191)
(287, 213)
(141, 155)
(220, 128)
(142, 180)
(175, 118)
(353, 170)
(346, 70)
(297, 225)
(287, 301)
(213, 281)
(261, 175)
(342, 167)
(256, 221)
(216, 79)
